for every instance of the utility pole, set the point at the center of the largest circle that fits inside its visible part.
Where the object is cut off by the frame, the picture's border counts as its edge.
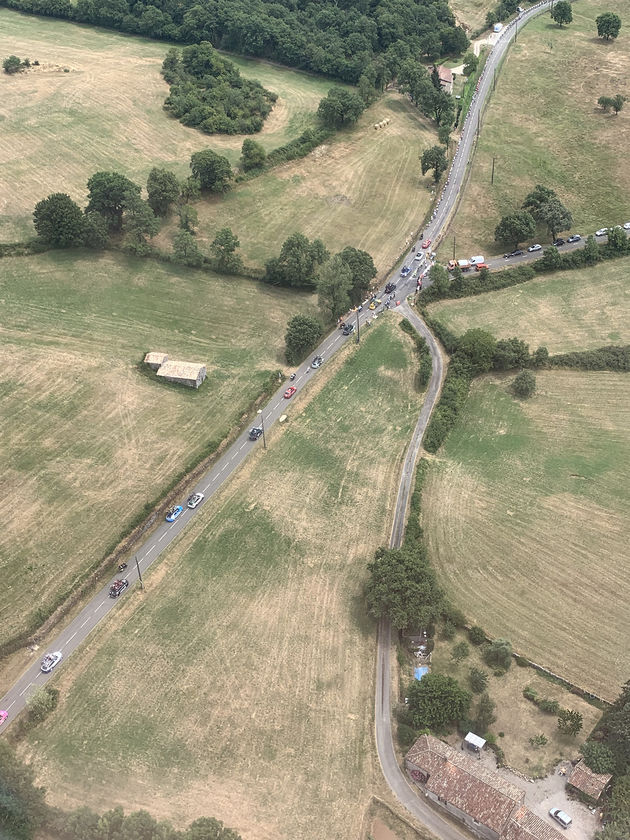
(492, 176)
(478, 123)
(516, 31)
(453, 247)
(358, 326)
(139, 572)
(494, 79)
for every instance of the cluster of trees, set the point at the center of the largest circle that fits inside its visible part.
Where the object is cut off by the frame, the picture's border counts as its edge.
(341, 107)
(348, 40)
(608, 25)
(502, 11)
(604, 358)
(24, 812)
(541, 206)
(14, 64)
(209, 93)
(615, 102)
(426, 92)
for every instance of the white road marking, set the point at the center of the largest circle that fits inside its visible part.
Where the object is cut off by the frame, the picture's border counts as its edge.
(222, 468)
(87, 621)
(151, 549)
(243, 445)
(100, 605)
(161, 538)
(24, 690)
(205, 489)
(10, 704)
(69, 640)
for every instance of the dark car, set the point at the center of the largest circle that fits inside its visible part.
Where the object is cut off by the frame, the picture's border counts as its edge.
(118, 587)
(517, 253)
(575, 238)
(390, 287)
(349, 328)
(559, 241)
(255, 433)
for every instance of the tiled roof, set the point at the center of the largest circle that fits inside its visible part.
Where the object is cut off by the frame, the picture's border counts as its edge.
(590, 783)
(465, 783)
(155, 358)
(181, 370)
(525, 825)
(445, 74)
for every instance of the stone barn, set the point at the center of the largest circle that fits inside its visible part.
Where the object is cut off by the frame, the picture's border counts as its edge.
(154, 360)
(190, 374)
(588, 782)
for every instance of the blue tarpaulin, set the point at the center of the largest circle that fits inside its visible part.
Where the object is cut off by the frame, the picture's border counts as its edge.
(420, 672)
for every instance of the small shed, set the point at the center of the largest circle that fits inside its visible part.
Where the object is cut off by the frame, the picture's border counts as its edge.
(446, 78)
(190, 374)
(474, 742)
(592, 784)
(497, 27)
(154, 359)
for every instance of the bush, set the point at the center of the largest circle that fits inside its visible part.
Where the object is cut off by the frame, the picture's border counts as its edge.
(498, 653)
(454, 615)
(41, 703)
(599, 757)
(538, 740)
(406, 735)
(460, 651)
(477, 635)
(448, 631)
(478, 680)
(605, 358)
(524, 385)
(550, 707)
(530, 694)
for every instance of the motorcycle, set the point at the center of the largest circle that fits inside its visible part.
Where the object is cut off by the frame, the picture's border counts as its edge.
(292, 377)
(122, 567)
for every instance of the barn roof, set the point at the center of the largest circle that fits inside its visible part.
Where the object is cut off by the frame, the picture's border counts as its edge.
(445, 74)
(525, 825)
(590, 783)
(182, 370)
(155, 358)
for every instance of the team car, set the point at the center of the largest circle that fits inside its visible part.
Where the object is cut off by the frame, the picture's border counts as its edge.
(195, 500)
(289, 392)
(50, 661)
(404, 271)
(255, 433)
(117, 588)
(318, 360)
(173, 513)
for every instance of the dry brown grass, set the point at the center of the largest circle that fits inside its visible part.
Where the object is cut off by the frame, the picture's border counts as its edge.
(525, 520)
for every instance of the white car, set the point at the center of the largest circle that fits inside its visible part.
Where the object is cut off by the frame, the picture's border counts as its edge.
(195, 500)
(419, 256)
(51, 660)
(626, 226)
(560, 817)
(601, 232)
(478, 259)
(535, 247)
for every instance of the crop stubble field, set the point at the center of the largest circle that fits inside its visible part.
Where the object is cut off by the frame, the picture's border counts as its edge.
(525, 516)
(241, 683)
(88, 437)
(565, 310)
(543, 126)
(106, 113)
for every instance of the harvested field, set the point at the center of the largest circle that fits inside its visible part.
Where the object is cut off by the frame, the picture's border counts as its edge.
(566, 310)
(552, 134)
(525, 516)
(106, 113)
(240, 684)
(89, 435)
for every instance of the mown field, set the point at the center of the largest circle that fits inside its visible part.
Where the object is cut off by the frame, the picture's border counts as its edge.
(362, 189)
(551, 131)
(106, 113)
(88, 436)
(570, 310)
(471, 14)
(525, 516)
(240, 684)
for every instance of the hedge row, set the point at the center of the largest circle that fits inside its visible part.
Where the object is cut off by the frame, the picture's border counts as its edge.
(604, 358)
(426, 363)
(452, 400)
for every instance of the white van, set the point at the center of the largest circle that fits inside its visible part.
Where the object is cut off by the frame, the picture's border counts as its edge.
(478, 259)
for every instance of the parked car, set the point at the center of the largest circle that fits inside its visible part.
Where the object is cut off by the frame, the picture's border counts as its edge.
(255, 433)
(117, 588)
(319, 360)
(479, 266)
(478, 259)
(50, 661)
(535, 247)
(426, 244)
(560, 817)
(601, 232)
(404, 271)
(289, 392)
(517, 253)
(559, 241)
(348, 329)
(574, 238)
(195, 500)
(173, 513)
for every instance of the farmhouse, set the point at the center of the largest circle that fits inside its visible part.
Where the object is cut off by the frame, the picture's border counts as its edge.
(490, 806)
(191, 374)
(592, 784)
(154, 360)
(446, 78)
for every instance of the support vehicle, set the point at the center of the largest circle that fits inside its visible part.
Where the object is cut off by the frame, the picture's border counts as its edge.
(118, 587)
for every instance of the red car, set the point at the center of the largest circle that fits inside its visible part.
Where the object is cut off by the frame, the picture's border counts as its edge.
(426, 243)
(289, 392)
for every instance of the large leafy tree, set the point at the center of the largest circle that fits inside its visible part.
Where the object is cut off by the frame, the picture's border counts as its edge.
(515, 228)
(562, 13)
(478, 346)
(185, 249)
(608, 25)
(537, 197)
(303, 333)
(297, 263)
(362, 269)
(556, 216)
(224, 246)
(163, 190)
(334, 284)
(213, 171)
(59, 221)
(340, 107)
(253, 155)
(437, 702)
(110, 193)
(435, 159)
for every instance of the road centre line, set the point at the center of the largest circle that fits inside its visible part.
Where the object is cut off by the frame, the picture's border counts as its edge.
(161, 538)
(24, 690)
(71, 638)
(99, 606)
(87, 621)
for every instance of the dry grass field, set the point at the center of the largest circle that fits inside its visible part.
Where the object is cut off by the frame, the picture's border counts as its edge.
(525, 516)
(543, 126)
(362, 189)
(240, 684)
(88, 436)
(471, 14)
(106, 113)
(571, 310)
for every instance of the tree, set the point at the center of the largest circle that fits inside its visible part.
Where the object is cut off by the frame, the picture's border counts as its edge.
(139, 222)
(617, 102)
(340, 107)
(190, 189)
(59, 221)
(537, 197)
(437, 701)
(540, 357)
(477, 680)
(471, 62)
(591, 251)
(444, 134)
(188, 218)
(334, 285)
(213, 171)
(515, 228)
(110, 193)
(555, 215)
(253, 155)
(617, 240)
(524, 385)
(402, 586)
(22, 805)
(435, 159)
(362, 269)
(569, 722)
(208, 828)
(510, 353)
(485, 716)
(599, 757)
(41, 703)
(186, 250)
(498, 654)
(477, 635)
(460, 651)
(478, 347)
(439, 279)
(303, 333)
(562, 13)
(163, 189)
(608, 25)
(224, 246)
(96, 232)
(296, 265)
(435, 78)
(605, 103)
(12, 64)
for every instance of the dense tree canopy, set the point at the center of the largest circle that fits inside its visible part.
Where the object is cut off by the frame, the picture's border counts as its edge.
(515, 228)
(362, 270)
(334, 284)
(59, 221)
(562, 12)
(608, 25)
(162, 189)
(340, 107)
(110, 193)
(303, 333)
(297, 263)
(212, 171)
(437, 702)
